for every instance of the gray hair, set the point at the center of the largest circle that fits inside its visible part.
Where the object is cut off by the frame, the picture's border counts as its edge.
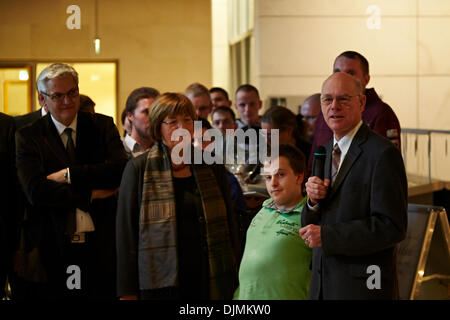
(53, 71)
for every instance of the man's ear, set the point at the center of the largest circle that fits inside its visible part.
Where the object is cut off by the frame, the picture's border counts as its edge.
(367, 79)
(42, 102)
(130, 116)
(300, 178)
(362, 100)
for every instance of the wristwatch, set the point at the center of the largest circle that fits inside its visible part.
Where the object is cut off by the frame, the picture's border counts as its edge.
(66, 175)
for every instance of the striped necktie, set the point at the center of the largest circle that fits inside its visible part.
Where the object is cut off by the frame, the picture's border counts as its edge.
(336, 160)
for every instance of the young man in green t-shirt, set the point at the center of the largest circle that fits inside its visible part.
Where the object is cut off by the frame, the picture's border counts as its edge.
(276, 260)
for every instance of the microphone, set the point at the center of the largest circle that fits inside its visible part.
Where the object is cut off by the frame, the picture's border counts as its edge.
(319, 162)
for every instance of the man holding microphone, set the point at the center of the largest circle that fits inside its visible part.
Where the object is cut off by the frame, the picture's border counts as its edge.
(357, 212)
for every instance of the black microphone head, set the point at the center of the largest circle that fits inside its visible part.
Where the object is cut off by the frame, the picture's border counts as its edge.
(320, 152)
(319, 162)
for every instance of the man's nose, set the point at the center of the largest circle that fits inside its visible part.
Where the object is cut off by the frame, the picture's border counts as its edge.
(335, 104)
(67, 99)
(274, 181)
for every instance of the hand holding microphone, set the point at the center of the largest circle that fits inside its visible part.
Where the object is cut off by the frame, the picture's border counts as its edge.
(317, 187)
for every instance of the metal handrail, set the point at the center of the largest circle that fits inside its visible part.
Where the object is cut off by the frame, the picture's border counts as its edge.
(428, 133)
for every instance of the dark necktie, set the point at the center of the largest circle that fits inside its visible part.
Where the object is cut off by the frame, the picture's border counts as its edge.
(70, 147)
(71, 223)
(336, 160)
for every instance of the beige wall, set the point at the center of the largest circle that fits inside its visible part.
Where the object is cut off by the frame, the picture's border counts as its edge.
(297, 41)
(161, 43)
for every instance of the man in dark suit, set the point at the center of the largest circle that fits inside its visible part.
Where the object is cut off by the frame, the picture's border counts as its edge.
(69, 165)
(358, 213)
(8, 194)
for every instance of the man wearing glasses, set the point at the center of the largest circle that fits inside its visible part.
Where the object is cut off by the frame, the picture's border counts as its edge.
(378, 115)
(69, 165)
(357, 213)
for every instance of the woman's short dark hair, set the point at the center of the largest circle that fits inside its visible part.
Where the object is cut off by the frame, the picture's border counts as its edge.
(169, 104)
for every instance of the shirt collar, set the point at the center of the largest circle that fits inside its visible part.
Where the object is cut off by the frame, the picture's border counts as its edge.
(346, 141)
(60, 127)
(270, 204)
(132, 144)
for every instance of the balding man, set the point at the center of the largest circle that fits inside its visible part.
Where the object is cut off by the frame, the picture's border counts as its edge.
(377, 115)
(310, 110)
(357, 215)
(200, 98)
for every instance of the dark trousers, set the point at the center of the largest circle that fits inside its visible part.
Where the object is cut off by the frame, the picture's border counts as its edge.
(79, 265)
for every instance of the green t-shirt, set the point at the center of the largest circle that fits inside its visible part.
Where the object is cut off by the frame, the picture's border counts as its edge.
(276, 260)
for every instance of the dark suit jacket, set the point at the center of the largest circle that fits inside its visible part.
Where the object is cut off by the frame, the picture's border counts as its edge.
(100, 160)
(23, 120)
(8, 194)
(362, 219)
(127, 223)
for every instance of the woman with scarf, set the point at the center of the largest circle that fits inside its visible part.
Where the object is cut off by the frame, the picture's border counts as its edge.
(176, 235)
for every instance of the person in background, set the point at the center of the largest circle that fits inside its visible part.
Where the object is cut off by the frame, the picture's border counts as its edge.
(357, 213)
(177, 236)
(137, 107)
(248, 104)
(9, 198)
(223, 118)
(309, 111)
(199, 96)
(126, 125)
(284, 120)
(276, 260)
(219, 98)
(86, 104)
(237, 196)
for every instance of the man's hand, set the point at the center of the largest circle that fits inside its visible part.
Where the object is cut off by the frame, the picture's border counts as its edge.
(103, 194)
(311, 235)
(316, 189)
(58, 176)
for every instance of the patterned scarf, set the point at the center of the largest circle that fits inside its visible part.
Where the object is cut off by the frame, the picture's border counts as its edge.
(158, 259)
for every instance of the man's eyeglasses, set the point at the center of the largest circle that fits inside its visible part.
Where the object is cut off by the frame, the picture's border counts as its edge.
(343, 100)
(59, 97)
(175, 123)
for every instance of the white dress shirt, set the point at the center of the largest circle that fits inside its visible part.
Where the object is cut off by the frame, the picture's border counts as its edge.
(344, 144)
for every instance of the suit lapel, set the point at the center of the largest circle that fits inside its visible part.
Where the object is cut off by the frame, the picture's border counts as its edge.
(352, 155)
(84, 134)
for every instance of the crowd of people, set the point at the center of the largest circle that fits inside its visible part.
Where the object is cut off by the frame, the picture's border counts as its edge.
(91, 214)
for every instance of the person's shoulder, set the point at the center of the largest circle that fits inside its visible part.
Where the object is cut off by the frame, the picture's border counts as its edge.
(34, 126)
(6, 121)
(378, 143)
(375, 103)
(136, 166)
(140, 160)
(6, 118)
(96, 117)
